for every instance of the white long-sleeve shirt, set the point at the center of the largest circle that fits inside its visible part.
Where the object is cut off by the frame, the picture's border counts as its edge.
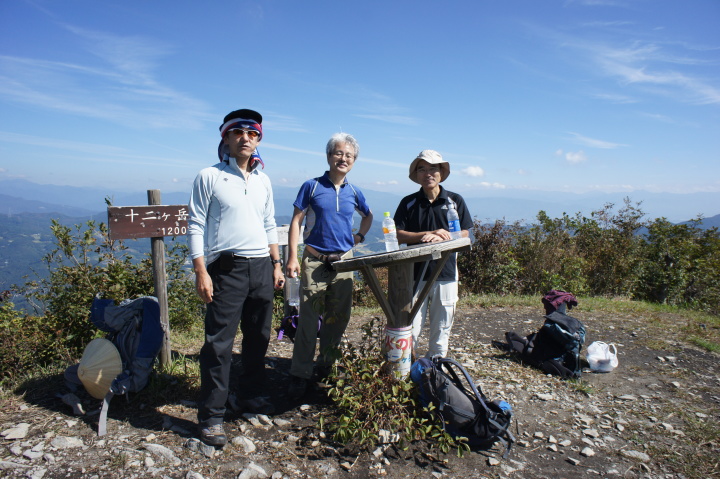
(228, 212)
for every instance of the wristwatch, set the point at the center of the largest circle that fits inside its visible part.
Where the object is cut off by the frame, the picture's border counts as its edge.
(362, 236)
(277, 261)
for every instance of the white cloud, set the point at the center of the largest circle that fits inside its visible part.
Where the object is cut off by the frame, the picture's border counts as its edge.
(126, 89)
(559, 152)
(575, 157)
(594, 143)
(473, 171)
(486, 185)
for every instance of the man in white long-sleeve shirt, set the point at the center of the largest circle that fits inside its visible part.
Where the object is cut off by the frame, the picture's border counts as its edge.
(233, 245)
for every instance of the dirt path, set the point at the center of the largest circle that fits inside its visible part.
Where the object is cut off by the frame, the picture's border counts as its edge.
(656, 415)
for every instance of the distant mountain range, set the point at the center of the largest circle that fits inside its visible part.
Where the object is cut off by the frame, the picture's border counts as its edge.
(487, 206)
(26, 209)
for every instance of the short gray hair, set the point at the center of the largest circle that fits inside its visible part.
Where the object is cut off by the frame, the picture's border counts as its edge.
(342, 138)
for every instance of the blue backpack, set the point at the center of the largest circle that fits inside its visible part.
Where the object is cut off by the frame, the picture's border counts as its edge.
(134, 328)
(463, 410)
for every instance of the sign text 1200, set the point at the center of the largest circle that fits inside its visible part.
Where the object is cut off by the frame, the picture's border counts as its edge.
(173, 230)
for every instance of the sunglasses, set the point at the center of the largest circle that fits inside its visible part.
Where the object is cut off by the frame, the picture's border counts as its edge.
(252, 134)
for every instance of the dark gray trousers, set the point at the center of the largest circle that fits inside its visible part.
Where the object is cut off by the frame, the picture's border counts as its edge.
(242, 296)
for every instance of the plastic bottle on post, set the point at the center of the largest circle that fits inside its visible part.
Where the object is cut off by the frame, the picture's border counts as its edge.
(388, 226)
(453, 222)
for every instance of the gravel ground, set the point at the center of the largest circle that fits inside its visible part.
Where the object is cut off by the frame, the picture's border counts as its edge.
(656, 415)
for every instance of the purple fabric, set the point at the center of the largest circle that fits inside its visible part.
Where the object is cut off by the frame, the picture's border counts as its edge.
(554, 298)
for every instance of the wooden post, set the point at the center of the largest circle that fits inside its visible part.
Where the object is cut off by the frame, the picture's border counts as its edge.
(160, 281)
(400, 294)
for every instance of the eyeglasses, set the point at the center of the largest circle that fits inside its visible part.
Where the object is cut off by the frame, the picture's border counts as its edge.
(432, 170)
(340, 154)
(252, 134)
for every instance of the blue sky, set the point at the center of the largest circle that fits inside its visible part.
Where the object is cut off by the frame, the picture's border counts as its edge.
(567, 95)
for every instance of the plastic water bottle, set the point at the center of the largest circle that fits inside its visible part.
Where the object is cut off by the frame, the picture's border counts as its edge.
(292, 290)
(453, 222)
(388, 225)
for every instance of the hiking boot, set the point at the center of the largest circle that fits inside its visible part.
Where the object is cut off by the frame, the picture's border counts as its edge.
(213, 435)
(297, 387)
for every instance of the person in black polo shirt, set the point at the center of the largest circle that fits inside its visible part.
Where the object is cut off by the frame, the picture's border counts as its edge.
(422, 218)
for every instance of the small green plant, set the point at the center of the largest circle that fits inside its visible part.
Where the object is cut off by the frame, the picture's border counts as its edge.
(370, 402)
(581, 386)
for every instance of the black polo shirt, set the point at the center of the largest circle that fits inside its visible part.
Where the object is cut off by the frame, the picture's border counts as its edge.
(415, 213)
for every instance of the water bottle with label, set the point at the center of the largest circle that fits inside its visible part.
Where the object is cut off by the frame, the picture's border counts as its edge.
(388, 226)
(453, 222)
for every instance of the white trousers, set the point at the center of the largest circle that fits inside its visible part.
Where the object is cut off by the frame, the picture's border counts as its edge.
(441, 304)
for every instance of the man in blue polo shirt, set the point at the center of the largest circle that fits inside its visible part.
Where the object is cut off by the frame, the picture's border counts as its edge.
(422, 218)
(327, 204)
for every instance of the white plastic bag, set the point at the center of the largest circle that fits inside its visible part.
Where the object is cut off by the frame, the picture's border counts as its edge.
(601, 358)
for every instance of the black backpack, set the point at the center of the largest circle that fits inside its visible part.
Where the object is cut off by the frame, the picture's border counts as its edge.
(555, 348)
(463, 411)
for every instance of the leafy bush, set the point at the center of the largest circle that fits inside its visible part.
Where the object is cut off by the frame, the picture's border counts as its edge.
(24, 341)
(85, 262)
(604, 254)
(490, 267)
(368, 399)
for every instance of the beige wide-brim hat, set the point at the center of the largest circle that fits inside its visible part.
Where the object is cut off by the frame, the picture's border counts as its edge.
(434, 158)
(99, 366)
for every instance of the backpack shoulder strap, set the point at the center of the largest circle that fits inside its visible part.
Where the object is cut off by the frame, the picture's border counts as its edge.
(450, 366)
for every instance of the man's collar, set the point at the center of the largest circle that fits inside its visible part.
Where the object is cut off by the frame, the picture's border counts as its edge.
(326, 176)
(443, 193)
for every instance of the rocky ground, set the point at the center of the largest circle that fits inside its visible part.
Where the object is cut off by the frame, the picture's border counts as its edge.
(656, 415)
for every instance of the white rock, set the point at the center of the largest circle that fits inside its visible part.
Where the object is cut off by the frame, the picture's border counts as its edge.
(573, 461)
(587, 452)
(591, 433)
(247, 445)
(164, 452)
(17, 432)
(32, 455)
(63, 442)
(640, 456)
(37, 473)
(253, 471)
(627, 397)
(193, 475)
(281, 422)
(252, 419)
(565, 443)
(264, 420)
(545, 397)
(493, 462)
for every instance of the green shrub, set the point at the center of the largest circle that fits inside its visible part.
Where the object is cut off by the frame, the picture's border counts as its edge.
(83, 263)
(367, 399)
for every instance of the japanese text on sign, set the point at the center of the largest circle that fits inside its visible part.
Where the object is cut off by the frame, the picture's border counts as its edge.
(127, 222)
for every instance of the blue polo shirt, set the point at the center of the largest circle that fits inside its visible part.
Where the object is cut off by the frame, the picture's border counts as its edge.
(329, 213)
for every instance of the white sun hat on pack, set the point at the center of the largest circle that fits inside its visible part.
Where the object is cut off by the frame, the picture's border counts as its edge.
(99, 366)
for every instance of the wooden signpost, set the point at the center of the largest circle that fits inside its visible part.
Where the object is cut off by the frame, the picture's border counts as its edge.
(155, 222)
